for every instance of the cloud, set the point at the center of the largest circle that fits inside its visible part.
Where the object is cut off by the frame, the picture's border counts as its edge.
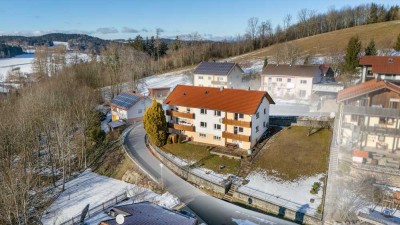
(107, 30)
(129, 30)
(145, 30)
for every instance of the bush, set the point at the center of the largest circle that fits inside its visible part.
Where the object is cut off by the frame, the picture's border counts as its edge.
(244, 182)
(315, 188)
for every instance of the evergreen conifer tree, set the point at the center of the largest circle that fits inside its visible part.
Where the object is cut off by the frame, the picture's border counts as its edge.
(155, 124)
(397, 45)
(370, 49)
(352, 55)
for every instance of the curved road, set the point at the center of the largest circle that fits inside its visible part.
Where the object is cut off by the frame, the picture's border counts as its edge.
(211, 210)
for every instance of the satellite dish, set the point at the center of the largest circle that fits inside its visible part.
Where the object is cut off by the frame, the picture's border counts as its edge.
(120, 219)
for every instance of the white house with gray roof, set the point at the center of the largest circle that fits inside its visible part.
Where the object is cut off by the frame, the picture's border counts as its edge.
(218, 74)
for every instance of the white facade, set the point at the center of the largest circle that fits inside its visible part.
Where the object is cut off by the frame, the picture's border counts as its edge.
(232, 80)
(134, 113)
(282, 86)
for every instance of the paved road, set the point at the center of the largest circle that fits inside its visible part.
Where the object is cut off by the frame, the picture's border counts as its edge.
(210, 209)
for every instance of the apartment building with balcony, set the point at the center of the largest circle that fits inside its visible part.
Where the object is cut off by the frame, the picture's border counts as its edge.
(298, 81)
(369, 115)
(218, 74)
(380, 67)
(218, 116)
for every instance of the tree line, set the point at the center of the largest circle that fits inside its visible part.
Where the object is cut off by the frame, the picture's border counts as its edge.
(310, 22)
(7, 51)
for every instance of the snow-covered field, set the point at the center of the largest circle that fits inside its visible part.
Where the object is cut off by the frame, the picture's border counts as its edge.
(94, 189)
(24, 63)
(292, 194)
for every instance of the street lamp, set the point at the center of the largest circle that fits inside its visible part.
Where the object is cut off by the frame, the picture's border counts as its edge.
(162, 182)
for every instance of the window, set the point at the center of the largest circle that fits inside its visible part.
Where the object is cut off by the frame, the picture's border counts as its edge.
(239, 116)
(203, 124)
(217, 113)
(139, 110)
(303, 81)
(265, 111)
(202, 135)
(279, 79)
(217, 126)
(394, 103)
(381, 138)
(257, 115)
(200, 77)
(302, 93)
(264, 124)
(217, 138)
(203, 111)
(354, 118)
(187, 109)
(269, 79)
(256, 129)
(386, 121)
(237, 130)
(289, 80)
(209, 78)
(220, 78)
(240, 129)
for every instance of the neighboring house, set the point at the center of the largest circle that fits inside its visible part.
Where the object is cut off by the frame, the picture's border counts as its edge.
(129, 106)
(218, 116)
(382, 67)
(159, 93)
(369, 123)
(144, 213)
(298, 81)
(218, 74)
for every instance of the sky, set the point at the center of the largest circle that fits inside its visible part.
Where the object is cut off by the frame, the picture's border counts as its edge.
(115, 19)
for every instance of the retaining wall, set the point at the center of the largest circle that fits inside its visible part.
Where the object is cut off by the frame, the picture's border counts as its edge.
(185, 173)
(277, 210)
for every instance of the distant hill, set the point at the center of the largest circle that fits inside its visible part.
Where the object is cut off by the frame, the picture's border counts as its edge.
(331, 43)
(78, 42)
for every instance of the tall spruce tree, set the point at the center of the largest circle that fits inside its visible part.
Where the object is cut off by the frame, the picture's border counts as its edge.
(370, 49)
(397, 45)
(138, 43)
(155, 124)
(352, 55)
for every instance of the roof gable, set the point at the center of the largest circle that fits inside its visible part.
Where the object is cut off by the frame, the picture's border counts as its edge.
(294, 70)
(215, 68)
(228, 100)
(365, 88)
(125, 100)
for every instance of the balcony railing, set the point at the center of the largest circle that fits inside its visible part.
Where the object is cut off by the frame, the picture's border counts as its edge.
(219, 82)
(381, 130)
(238, 137)
(334, 88)
(186, 115)
(236, 122)
(181, 127)
(371, 111)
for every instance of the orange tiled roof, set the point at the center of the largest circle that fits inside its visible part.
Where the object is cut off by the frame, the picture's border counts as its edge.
(364, 88)
(382, 64)
(228, 100)
(362, 154)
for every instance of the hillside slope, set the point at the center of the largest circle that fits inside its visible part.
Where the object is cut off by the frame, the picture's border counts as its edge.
(335, 42)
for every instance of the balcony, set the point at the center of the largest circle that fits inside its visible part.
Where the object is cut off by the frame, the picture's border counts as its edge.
(214, 82)
(371, 111)
(181, 127)
(329, 87)
(239, 137)
(381, 130)
(186, 115)
(236, 122)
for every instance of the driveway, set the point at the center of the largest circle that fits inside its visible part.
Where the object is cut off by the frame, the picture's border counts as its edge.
(211, 210)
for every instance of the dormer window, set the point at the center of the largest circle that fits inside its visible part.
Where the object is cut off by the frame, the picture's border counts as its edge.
(390, 60)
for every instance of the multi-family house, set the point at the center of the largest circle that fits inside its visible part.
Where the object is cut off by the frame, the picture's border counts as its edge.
(218, 116)
(382, 67)
(218, 74)
(297, 81)
(129, 106)
(369, 123)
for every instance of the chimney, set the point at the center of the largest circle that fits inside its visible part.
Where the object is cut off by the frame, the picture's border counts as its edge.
(221, 88)
(206, 92)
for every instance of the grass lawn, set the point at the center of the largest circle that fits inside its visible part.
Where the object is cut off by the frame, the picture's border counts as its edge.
(292, 154)
(203, 158)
